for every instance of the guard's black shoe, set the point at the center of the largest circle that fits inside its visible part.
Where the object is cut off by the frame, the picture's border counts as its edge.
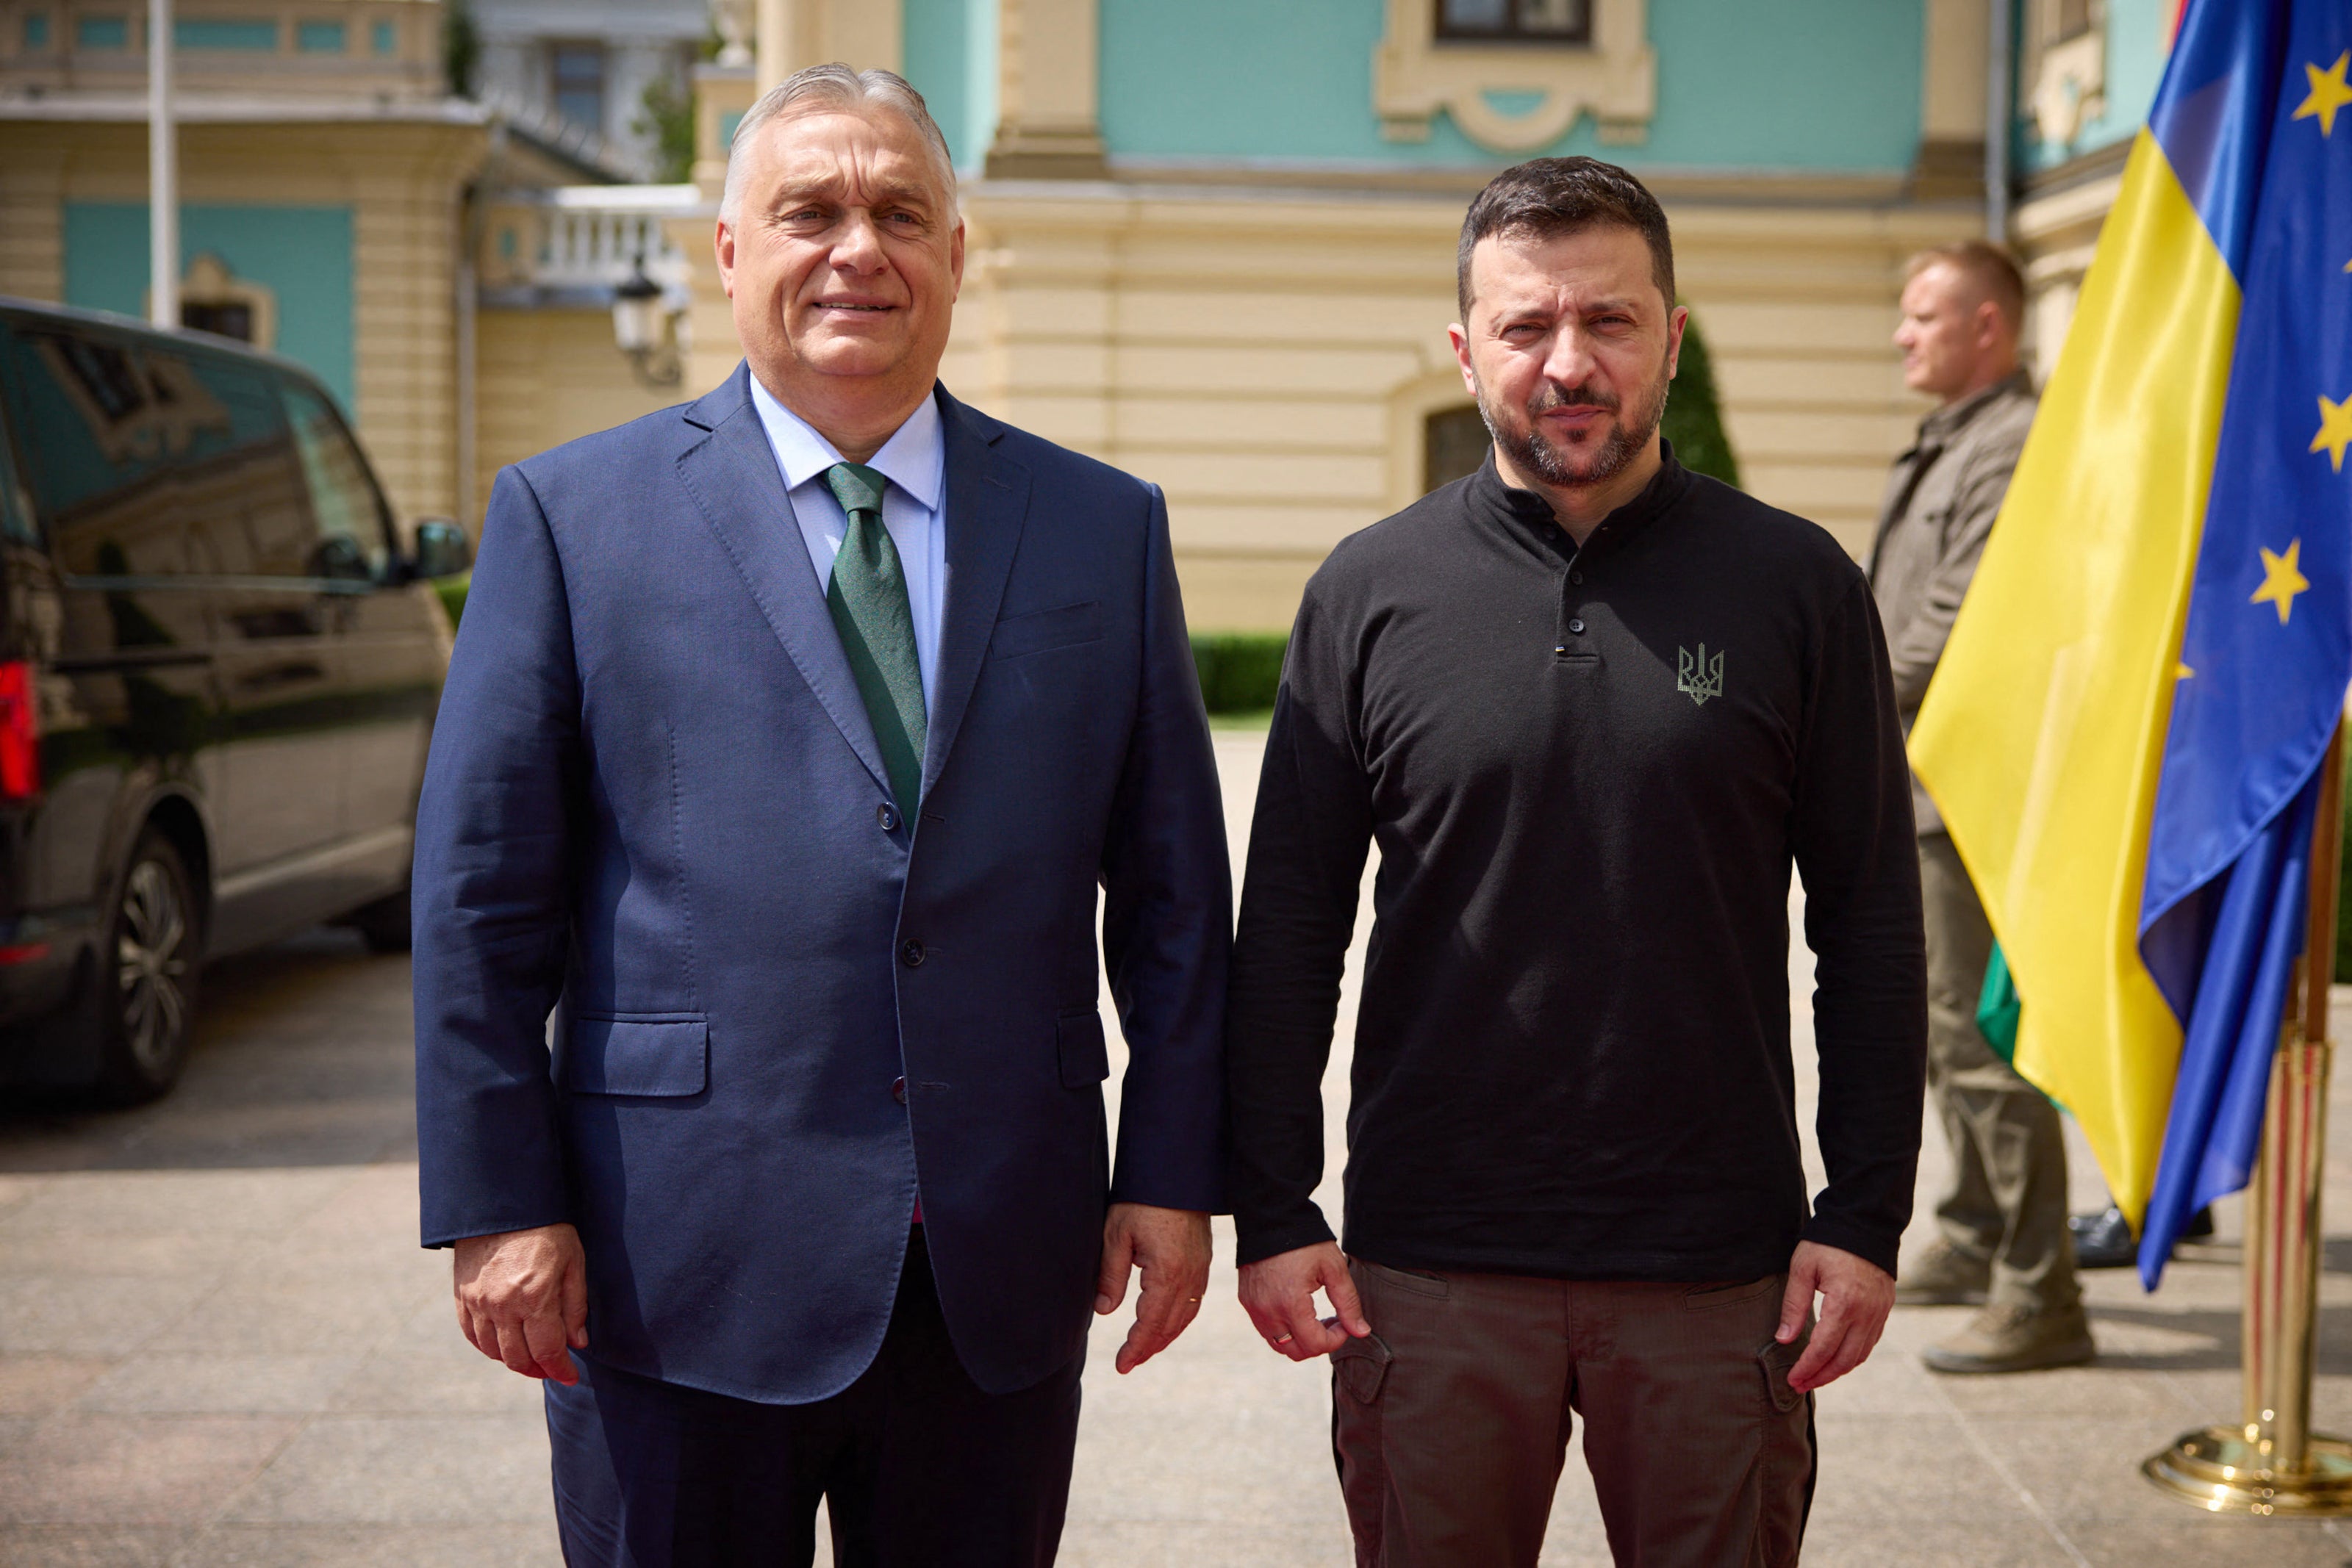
(2105, 1243)
(2199, 1228)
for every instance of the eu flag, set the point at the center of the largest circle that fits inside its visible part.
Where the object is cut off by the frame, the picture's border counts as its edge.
(2249, 119)
(2126, 726)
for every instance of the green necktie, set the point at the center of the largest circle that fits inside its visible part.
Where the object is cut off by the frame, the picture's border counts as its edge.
(868, 601)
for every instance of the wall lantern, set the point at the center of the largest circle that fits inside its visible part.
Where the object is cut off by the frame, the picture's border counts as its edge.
(645, 328)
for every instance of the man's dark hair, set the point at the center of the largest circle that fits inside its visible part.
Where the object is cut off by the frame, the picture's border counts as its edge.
(1545, 198)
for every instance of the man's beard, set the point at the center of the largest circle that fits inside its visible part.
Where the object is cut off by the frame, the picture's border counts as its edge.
(1533, 453)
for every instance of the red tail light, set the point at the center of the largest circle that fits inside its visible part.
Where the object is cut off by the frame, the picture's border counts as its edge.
(20, 733)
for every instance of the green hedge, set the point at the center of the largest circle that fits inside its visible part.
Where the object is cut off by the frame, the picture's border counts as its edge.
(1694, 420)
(452, 590)
(2343, 902)
(1239, 671)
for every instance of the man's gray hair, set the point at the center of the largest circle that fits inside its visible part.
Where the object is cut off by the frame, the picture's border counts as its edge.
(835, 86)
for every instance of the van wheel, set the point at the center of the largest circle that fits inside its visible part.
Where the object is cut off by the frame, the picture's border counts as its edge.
(146, 980)
(383, 924)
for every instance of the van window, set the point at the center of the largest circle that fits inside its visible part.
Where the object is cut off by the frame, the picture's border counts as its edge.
(15, 501)
(148, 462)
(354, 538)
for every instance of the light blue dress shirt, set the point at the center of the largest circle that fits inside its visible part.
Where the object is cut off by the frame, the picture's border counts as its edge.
(914, 508)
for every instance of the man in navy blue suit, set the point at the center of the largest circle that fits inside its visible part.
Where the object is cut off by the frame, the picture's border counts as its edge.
(788, 738)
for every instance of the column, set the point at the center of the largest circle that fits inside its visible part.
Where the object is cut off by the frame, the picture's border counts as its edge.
(1047, 65)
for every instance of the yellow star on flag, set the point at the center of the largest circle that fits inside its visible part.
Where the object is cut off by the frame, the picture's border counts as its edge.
(2329, 93)
(2281, 579)
(2335, 430)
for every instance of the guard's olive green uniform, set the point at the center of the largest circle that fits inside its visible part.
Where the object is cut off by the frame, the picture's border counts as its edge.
(2007, 1201)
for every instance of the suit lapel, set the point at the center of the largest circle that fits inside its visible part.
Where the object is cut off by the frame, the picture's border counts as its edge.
(731, 473)
(987, 502)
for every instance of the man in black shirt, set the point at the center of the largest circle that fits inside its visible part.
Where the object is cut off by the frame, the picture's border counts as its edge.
(1592, 706)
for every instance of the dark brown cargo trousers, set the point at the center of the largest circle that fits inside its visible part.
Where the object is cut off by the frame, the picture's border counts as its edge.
(1450, 1424)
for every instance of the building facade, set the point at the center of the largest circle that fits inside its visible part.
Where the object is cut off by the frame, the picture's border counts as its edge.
(1211, 243)
(590, 66)
(322, 168)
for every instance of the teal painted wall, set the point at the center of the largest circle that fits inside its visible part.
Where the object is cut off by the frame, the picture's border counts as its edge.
(2136, 56)
(303, 254)
(1812, 85)
(949, 47)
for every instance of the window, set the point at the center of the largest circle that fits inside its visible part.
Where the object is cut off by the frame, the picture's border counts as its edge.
(320, 38)
(149, 463)
(353, 541)
(1453, 444)
(252, 35)
(102, 32)
(383, 38)
(1515, 21)
(246, 512)
(579, 79)
(15, 501)
(223, 318)
(37, 31)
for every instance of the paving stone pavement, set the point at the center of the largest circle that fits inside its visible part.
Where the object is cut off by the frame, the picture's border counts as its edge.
(219, 1345)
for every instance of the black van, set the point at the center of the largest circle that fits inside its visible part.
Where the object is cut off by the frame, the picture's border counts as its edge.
(218, 673)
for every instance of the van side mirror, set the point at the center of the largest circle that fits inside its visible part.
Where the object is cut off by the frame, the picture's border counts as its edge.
(442, 548)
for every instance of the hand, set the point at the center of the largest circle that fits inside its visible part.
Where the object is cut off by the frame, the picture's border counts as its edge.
(1855, 1298)
(522, 1296)
(1279, 1293)
(1172, 1248)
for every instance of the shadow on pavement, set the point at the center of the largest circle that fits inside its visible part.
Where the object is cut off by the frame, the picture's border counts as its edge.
(302, 1057)
(2209, 1339)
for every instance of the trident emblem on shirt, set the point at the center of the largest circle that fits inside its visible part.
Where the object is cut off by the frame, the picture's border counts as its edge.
(1701, 678)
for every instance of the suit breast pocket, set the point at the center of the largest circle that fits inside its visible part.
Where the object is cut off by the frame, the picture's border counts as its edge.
(663, 1055)
(1042, 630)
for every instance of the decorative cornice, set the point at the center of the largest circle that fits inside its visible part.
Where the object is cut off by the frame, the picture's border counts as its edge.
(1615, 78)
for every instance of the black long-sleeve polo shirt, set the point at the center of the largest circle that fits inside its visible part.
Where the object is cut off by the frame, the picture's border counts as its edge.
(1589, 772)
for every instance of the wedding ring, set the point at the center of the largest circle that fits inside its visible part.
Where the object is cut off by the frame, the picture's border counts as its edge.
(1285, 1339)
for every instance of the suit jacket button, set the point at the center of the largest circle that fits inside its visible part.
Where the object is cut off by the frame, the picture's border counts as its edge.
(887, 817)
(899, 1090)
(911, 953)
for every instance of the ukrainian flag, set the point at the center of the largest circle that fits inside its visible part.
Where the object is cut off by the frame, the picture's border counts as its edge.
(2126, 732)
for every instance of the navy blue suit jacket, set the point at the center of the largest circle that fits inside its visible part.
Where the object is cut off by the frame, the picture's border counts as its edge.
(654, 809)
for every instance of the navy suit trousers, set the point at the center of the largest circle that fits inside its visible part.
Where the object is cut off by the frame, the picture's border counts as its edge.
(919, 1467)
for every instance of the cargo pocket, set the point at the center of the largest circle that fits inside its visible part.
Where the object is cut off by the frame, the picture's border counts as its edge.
(1086, 1059)
(1360, 1366)
(1777, 1361)
(664, 1055)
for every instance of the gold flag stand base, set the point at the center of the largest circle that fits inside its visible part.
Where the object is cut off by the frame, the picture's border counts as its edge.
(2273, 1464)
(2231, 1469)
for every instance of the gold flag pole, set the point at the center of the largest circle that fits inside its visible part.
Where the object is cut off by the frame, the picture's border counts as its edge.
(2274, 1463)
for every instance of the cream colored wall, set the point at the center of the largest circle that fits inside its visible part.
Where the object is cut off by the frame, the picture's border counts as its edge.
(1269, 362)
(545, 377)
(2055, 236)
(401, 180)
(405, 240)
(793, 34)
(33, 162)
